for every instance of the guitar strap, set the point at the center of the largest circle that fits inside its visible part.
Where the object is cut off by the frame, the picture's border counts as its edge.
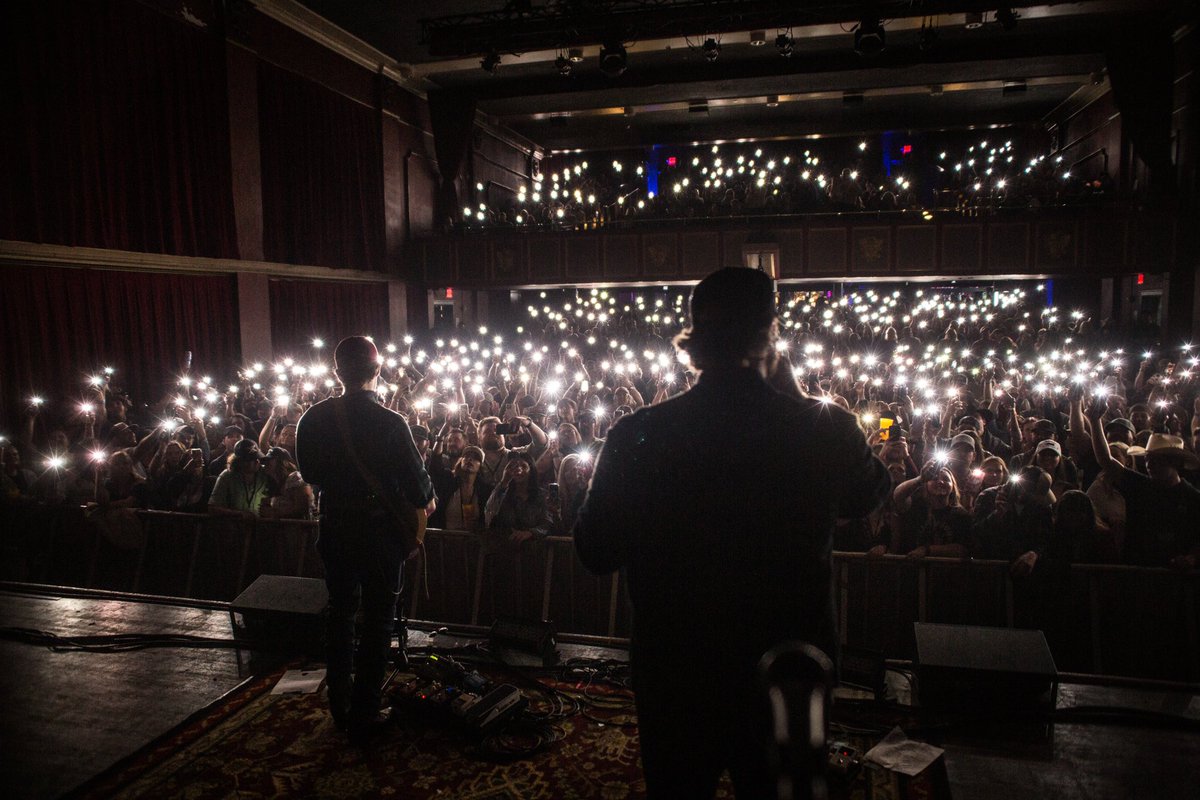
(410, 529)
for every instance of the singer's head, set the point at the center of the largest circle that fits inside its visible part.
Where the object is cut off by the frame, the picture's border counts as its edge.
(356, 361)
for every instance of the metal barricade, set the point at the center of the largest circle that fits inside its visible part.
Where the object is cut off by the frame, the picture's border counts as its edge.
(1107, 619)
(1101, 618)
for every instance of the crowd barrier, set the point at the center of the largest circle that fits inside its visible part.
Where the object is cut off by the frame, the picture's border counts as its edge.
(1107, 619)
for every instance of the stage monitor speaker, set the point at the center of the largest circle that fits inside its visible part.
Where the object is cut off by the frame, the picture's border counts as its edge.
(966, 669)
(522, 642)
(282, 614)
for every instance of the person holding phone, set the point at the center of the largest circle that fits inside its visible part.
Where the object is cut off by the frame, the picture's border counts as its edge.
(496, 454)
(517, 509)
(463, 494)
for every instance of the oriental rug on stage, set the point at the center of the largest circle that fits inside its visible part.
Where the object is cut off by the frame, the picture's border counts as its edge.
(260, 745)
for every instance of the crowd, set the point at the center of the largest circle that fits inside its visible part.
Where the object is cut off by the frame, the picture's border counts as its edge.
(1012, 429)
(749, 179)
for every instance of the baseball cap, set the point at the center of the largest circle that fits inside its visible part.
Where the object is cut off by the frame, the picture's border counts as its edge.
(246, 448)
(1048, 444)
(1120, 422)
(963, 440)
(1044, 425)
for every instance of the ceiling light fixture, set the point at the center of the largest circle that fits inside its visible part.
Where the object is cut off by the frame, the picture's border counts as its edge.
(869, 39)
(711, 49)
(927, 37)
(613, 59)
(785, 45)
(772, 101)
(575, 54)
(490, 62)
(759, 38)
(974, 20)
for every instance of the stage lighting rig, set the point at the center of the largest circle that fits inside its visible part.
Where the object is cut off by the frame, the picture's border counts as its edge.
(869, 38)
(490, 63)
(563, 65)
(1006, 17)
(927, 37)
(613, 59)
(785, 45)
(711, 49)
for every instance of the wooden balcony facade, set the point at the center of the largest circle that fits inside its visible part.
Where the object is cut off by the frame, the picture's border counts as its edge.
(1067, 241)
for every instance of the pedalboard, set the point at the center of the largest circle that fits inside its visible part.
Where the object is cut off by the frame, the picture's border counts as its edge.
(443, 689)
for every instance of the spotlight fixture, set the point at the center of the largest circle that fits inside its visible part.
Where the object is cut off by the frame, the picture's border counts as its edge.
(758, 38)
(711, 49)
(869, 37)
(490, 62)
(564, 65)
(613, 59)
(927, 37)
(1006, 17)
(785, 45)
(772, 101)
(974, 20)
(575, 54)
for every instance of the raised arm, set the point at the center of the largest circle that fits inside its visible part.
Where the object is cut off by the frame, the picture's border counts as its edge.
(1112, 468)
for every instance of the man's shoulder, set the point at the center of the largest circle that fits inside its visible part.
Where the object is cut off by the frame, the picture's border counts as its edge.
(317, 411)
(356, 408)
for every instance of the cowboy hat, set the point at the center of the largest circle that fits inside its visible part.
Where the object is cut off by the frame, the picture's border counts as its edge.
(1166, 444)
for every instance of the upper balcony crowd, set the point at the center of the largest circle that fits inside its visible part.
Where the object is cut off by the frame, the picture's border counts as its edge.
(583, 192)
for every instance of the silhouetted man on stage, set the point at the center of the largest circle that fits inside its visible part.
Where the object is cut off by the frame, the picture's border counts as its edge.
(363, 458)
(720, 504)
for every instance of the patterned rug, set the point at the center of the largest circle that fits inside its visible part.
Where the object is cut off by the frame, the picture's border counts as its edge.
(257, 745)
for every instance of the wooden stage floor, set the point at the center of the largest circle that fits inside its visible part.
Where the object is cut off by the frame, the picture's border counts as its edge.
(68, 716)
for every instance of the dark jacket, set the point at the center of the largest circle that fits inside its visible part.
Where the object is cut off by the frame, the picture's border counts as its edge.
(383, 442)
(446, 485)
(721, 503)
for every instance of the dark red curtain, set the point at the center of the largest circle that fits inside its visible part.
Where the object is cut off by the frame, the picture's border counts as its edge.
(60, 325)
(115, 131)
(322, 175)
(329, 310)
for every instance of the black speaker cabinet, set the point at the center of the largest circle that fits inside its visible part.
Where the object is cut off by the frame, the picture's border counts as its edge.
(282, 614)
(966, 669)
